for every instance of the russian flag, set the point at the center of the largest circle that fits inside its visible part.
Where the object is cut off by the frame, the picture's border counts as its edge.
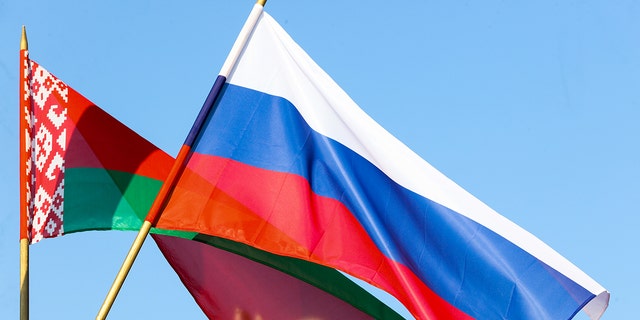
(288, 165)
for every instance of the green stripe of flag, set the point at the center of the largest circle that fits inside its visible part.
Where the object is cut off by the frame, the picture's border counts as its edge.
(100, 199)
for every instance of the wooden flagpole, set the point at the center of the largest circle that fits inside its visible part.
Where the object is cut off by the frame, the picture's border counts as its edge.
(24, 239)
(24, 279)
(175, 172)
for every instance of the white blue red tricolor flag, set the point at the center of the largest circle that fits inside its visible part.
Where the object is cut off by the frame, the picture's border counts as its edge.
(286, 166)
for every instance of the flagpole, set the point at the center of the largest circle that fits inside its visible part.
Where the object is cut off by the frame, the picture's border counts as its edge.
(24, 279)
(181, 161)
(24, 240)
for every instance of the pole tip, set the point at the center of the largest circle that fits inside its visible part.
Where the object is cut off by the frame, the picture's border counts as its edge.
(23, 42)
(261, 2)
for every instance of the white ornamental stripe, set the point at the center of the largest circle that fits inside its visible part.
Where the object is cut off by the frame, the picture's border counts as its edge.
(41, 93)
(27, 73)
(50, 228)
(62, 140)
(29, 199)
(57, 119)
(43, 147)
(28, 149)
(46, 141)
(42, 204)
(47, 84)
(29, 117)
(55, 167)
(57, 204)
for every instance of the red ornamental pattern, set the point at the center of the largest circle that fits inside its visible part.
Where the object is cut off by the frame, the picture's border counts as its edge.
(46, 100)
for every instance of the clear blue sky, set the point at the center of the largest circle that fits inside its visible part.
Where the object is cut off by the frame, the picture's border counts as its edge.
(531, 106)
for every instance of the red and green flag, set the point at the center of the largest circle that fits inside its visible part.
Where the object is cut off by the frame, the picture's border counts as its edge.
(81, 169)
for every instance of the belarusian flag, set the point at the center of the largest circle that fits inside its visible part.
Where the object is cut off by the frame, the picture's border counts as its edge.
(81, 169)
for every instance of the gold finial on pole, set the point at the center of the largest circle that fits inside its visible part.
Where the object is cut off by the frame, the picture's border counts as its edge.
(23, 42)
(261, 2)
